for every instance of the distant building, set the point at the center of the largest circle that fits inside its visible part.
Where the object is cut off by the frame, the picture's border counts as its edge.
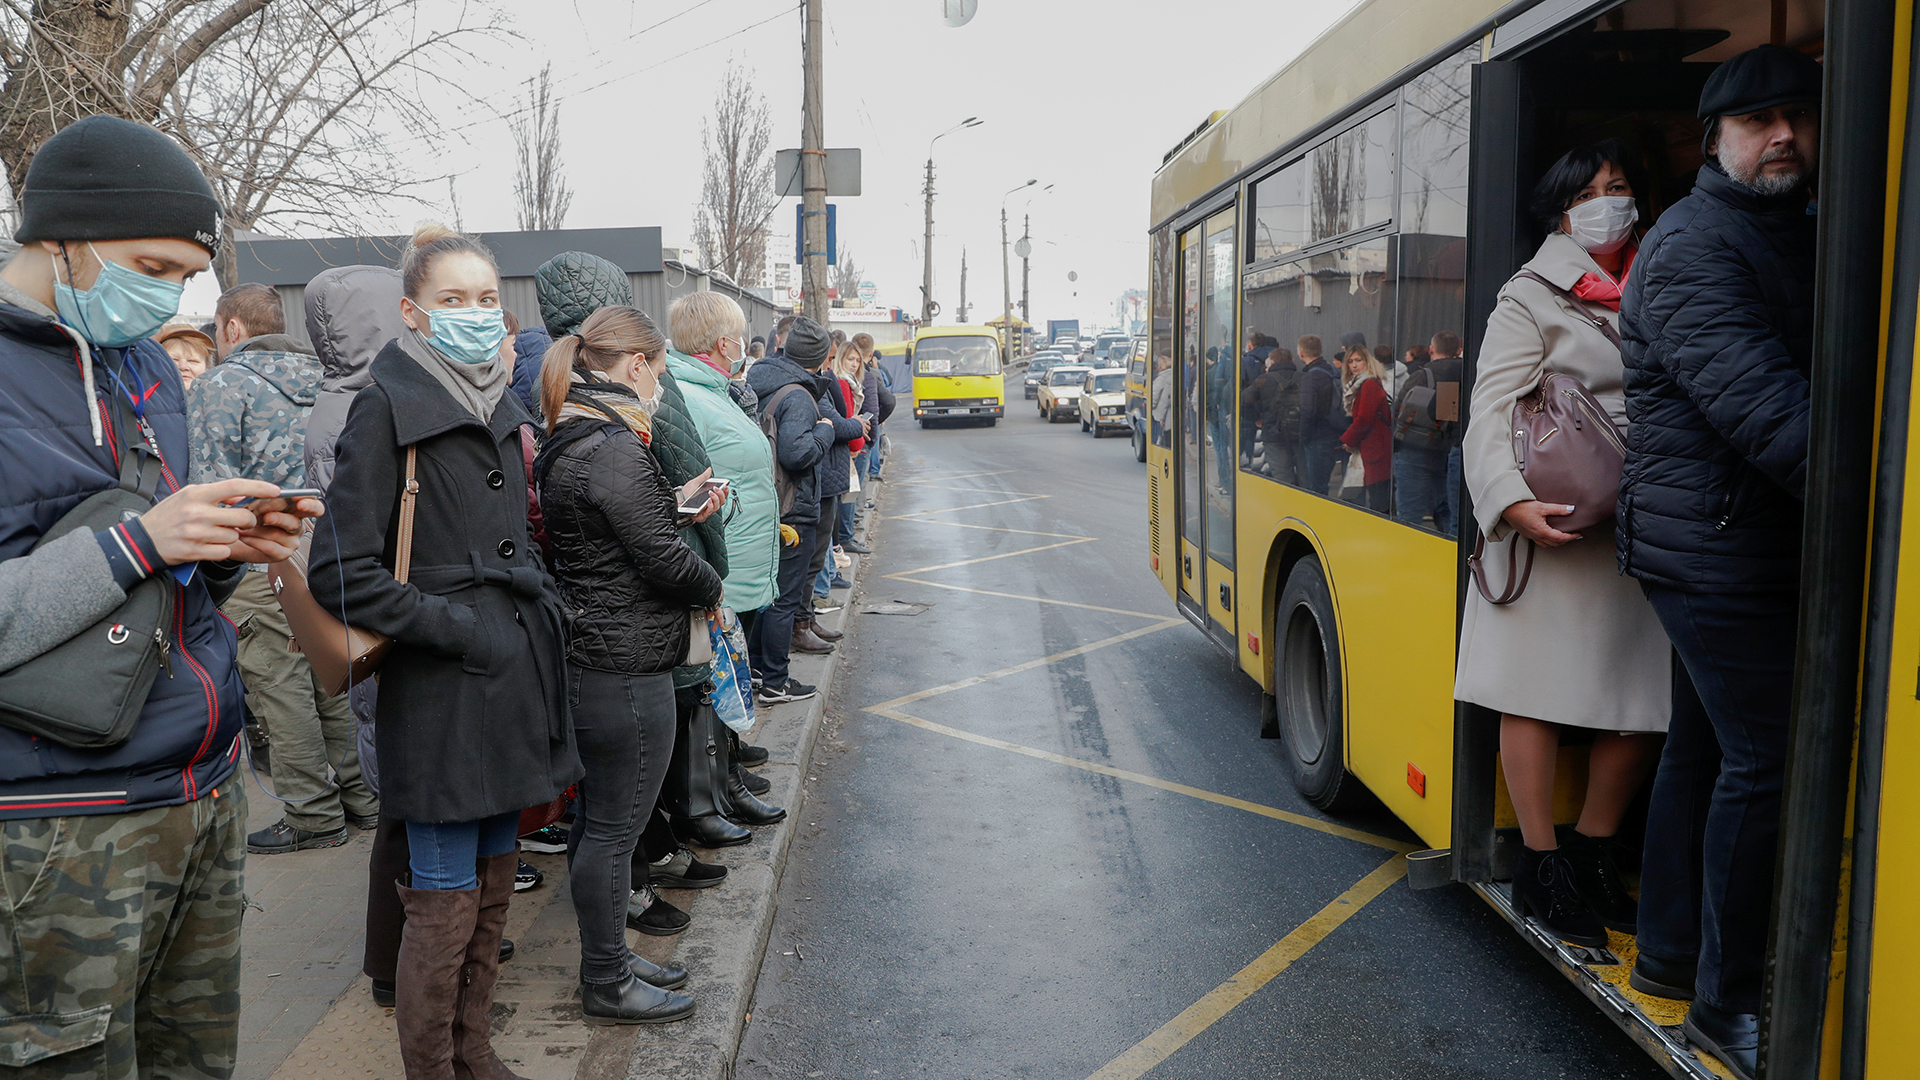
(288, 265)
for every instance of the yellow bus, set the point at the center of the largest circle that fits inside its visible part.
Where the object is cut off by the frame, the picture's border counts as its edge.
(1375, 186)
(957, 375)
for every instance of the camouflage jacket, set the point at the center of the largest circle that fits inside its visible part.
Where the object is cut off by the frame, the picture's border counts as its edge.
(248, 414)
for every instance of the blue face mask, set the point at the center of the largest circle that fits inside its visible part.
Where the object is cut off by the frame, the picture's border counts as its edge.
(122, 307)
(470, 335)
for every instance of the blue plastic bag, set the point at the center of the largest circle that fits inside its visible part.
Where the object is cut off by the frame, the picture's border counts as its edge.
(732, 679)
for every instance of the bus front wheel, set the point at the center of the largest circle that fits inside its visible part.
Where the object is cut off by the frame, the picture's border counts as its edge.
(1307, 689)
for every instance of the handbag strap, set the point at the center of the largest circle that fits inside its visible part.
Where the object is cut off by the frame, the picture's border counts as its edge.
(409, 495)
(1517, 575)
(1579, 308)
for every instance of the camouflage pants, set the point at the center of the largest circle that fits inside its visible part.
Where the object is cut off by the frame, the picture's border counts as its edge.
(120, 958)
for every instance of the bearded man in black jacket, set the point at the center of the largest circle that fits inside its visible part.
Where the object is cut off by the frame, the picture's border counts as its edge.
(1717, 321)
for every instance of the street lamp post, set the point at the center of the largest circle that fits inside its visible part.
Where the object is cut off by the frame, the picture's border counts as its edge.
(926, 273)
(1006, 278)
(1025, 249)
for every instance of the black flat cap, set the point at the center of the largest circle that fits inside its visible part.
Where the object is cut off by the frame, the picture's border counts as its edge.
(807, 343)
(1760, 78)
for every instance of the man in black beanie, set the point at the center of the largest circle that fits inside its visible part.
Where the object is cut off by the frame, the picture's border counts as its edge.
(784, 383)
(1717, 326)
(128, 947)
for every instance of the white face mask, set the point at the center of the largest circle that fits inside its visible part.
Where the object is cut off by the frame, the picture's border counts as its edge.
(1603, 225)
(651, 403)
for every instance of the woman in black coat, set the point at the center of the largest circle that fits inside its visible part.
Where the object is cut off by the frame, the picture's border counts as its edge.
(635, 592)
(472, 723)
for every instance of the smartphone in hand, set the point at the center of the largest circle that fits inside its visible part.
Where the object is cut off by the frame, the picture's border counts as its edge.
(701, 496)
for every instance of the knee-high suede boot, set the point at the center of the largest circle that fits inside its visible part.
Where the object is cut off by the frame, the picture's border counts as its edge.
(433, 953)
(690, 794)
(473, 1056)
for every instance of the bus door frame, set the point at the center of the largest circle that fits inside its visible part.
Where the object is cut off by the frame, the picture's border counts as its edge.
(1190, 595)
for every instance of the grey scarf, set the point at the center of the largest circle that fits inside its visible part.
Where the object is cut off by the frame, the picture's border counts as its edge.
(476, 386)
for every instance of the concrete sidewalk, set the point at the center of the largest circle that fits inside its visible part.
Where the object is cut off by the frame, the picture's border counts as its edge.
(307, 1011)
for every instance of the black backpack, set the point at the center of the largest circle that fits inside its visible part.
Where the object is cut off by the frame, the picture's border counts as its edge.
(1414, 425)
(784, 485)
(1285, 408)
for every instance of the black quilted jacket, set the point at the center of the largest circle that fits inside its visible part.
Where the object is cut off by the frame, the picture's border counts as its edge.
(1717, 322)
(628, 578)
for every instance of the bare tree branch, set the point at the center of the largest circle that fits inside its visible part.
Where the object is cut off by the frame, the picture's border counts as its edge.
(736, 191)
(540, 183)
(178, 60)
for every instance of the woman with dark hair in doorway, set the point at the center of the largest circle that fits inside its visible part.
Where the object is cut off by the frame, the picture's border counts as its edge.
(1534, 661)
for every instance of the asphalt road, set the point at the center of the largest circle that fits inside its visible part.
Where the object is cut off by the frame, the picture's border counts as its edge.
(958, 905)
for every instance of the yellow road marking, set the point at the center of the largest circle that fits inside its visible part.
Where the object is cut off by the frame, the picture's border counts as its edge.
(1177, 1032)
(1002, 555)
(975, 506)
(1275, 813)
(948, 688)
(957, 476)
(992, 528)
(1017, 596)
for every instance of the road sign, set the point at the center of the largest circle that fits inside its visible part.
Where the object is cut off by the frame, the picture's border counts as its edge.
(843, 172)
(958, 12)
(1022, 248)
(800, 234)
(868, 293)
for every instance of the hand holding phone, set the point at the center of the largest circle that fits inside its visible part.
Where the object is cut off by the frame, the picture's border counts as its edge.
(710, 491)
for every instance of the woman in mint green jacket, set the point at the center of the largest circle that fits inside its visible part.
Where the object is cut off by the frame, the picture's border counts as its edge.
(708, 331)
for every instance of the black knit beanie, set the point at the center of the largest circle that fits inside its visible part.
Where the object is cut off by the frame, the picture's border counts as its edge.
(104, 178)
(808, 343)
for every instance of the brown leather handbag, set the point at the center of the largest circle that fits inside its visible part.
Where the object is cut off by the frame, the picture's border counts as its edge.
(1569, 451)
(340, 654)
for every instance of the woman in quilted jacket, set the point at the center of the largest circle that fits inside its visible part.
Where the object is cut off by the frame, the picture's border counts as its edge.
(631, 585)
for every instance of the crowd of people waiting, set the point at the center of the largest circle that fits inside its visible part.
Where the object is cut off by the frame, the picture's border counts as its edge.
(593, 504)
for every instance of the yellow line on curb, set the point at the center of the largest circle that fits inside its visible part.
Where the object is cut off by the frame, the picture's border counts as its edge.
(1177, 1032)
(1029, 665)
(1150, 781)
(1017, 596)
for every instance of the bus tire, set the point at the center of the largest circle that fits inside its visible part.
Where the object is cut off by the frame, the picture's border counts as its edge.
(1307, 688)
(1139, 444)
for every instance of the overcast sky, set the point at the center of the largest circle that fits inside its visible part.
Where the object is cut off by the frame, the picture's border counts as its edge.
(1084, 95)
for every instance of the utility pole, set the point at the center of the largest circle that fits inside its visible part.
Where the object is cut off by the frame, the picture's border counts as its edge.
(926, 249)
(927, 305)
(963, 284)
(1026, 233)
(813, 171)
(1006, 276)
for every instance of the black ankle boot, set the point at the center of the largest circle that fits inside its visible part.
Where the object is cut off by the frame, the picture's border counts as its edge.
(755, 783)
(743, 807)
(691, 799)
(1597, 879)
(1543, 888)
(664, 976)
(632, 1001)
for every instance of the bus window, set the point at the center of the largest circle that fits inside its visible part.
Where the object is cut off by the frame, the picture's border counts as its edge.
(1431, 284)
(1222, 375)
(1338, 297)
(1349, 179)
(1188, 388)
(1160, 342)
(947, 356)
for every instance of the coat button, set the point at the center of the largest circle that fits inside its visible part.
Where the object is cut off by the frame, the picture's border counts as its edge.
(496, 479)
(506, 549)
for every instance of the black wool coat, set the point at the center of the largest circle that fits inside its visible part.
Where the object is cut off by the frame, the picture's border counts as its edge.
(628, 575)
(1717, 330)
(472, 716)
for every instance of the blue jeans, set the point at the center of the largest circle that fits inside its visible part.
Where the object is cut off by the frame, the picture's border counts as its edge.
(873, 451)
(1706, 879)
(442, 854)
(1417, 476)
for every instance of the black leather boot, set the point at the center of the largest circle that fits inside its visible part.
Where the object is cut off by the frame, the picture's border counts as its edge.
(1597, 880)
(743, 806)
(1543, 888)
(688, 794)
(632, 1001)
(666, 977)
(759, 785)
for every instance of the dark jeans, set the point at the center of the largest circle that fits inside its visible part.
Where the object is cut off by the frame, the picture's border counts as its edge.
(1418, 475)
(624, 727)
(774, 627)
(822, 550)
(1450, 503)
(1316, 458)
(1706, 879)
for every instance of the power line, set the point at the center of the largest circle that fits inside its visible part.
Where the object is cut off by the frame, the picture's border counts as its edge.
(511, 113)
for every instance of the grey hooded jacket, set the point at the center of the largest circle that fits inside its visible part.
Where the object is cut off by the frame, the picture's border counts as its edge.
(352, 312)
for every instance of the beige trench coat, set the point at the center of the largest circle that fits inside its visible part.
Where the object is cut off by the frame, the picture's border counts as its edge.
(1581, 646)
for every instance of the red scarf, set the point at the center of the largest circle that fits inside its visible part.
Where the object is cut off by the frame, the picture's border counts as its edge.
(708, 359)
(1601, 289)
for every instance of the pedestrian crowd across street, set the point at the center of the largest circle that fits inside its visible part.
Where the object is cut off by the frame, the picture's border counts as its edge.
(589, 546)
